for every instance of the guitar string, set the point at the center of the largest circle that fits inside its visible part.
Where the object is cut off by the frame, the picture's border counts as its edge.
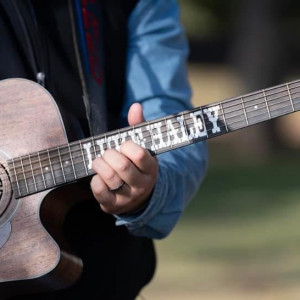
(230, 100)
(59, 156)
(30, 157)
(287, 86)
(60, 149)
(28, 185)
(221, 114)
(223, 102)
(244, 97)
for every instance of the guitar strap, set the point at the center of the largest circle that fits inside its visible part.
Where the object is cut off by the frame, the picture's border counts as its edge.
(89, 36)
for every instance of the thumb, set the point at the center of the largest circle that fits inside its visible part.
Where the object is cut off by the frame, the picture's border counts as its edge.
(135, 114)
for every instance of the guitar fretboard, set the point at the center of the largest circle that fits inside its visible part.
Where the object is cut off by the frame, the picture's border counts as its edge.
(53, 167)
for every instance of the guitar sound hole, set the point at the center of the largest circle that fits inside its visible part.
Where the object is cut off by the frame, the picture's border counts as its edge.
(7, 205)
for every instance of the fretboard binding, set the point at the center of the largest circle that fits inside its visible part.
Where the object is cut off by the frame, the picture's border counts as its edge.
(32, 173)
(84, 162)
(41, 167)
(15, 174)
(51, 169)
(223, 115)
(244, 111)
(61, 165)
(72, 163)
(23, 173)
(290, 96)
(261, 91)
(267, 105)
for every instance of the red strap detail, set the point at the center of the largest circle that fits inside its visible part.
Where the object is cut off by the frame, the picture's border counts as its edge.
(92, 36)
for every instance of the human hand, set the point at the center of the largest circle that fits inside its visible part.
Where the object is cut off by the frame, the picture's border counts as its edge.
(133, 165)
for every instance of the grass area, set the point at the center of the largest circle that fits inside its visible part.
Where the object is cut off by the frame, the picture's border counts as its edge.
(238, 239)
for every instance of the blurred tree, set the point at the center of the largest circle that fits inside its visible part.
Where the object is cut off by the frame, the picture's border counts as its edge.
(258, 48)
(258, 38)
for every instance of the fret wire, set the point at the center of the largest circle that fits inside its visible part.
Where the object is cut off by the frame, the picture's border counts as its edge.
(244, 111)
(290, 96)
(17, 181)
(51, 168)
(61, 165)
(267, 105)
(258, 98)
(223, 114)
(215, 135)
(260, 91)
(185, 127)
(30, 163)
(25, 180)
(137, 138)
(285, 106)
(204, 124)
(94, 147)
(119, 138)
(152, 141)
(42, 172)
(72, 163)
(168, 133)
(261, 103)
(134, 133)
(105, 138)
(86, 170)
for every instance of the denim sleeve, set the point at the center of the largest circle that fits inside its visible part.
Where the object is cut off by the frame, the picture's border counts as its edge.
(157, 78)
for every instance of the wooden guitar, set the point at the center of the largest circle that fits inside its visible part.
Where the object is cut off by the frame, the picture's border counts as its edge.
(37, 165)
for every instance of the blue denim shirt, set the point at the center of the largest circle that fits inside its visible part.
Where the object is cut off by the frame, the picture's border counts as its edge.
(157, 78)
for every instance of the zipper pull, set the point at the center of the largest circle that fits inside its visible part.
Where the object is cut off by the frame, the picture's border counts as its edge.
(40, 77)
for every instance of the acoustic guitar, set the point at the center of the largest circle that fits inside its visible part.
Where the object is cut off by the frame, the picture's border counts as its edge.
(38, 165)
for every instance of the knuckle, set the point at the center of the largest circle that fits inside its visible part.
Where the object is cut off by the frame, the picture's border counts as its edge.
(109, 175)
(126, 144)
(124, 165)
(107, 153)
(140, 155)
(97, 188)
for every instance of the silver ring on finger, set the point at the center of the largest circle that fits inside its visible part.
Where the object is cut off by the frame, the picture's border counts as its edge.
(119, 188)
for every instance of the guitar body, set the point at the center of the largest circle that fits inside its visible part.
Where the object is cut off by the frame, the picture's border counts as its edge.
(30, 259)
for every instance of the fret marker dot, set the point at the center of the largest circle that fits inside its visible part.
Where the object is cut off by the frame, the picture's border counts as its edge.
(46, 168)
(255, 107)
(67, 162)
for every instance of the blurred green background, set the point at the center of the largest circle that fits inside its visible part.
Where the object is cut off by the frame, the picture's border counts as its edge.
(239, 237)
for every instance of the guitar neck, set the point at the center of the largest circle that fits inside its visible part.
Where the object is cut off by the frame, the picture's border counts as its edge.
(53, 167)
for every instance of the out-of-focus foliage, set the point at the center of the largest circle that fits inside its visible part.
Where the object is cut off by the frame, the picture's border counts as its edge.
(205, 19)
